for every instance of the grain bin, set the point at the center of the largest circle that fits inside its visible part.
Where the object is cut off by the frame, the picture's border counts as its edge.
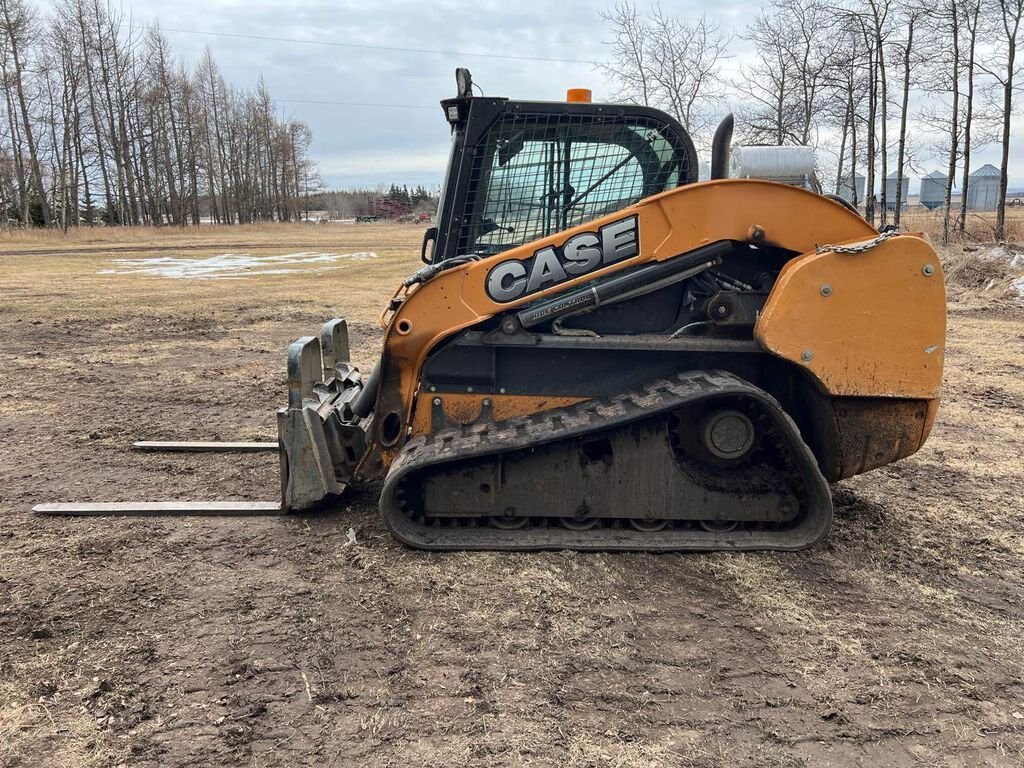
(983, 189)
(933, 190)
(890, 191)
(847, 187)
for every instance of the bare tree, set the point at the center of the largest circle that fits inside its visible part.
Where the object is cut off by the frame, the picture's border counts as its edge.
(972, 17)
(909, 58)
(665, 61)
(873, 54)
(18, 31)
(949, 29)
(767, 84)
(879, 24)
(1007, 16)
(847, 91)
(98, 119)
(628, 66)
(685, 60)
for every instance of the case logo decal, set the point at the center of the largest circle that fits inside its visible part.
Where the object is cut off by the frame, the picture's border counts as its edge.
(579, 255)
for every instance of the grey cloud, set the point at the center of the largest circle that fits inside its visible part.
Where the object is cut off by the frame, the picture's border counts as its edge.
(362, 145)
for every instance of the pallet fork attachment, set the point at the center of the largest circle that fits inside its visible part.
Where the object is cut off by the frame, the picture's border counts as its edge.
(161, 508)
(320, 439)
(173, 446)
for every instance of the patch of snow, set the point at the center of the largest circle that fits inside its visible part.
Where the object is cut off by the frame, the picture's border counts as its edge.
(1012, 257)
(995, 253)
(230, 266)
(1017, 286)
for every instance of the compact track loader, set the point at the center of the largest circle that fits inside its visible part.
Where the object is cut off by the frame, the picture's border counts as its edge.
(602, 352)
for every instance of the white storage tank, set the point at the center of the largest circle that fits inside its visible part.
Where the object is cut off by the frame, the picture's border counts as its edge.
(787, 165)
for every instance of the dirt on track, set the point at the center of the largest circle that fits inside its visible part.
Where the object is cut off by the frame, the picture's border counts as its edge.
(318, 640)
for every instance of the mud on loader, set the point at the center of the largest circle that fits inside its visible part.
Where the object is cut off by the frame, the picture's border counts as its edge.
(602, 352)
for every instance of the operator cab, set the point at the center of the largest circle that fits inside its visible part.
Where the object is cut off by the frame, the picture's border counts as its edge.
(523, 170)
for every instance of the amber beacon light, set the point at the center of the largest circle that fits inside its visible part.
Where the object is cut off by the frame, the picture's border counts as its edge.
(578, 95)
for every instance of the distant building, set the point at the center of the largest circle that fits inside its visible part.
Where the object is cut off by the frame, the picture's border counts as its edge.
(933, 190)
(983, 189)
(848, 185)
(890, 191)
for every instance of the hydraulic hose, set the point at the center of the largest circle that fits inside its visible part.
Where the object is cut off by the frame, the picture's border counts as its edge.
(364, 401)
(649, 275)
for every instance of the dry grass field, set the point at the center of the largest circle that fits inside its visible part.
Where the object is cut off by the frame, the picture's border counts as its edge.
(278, 642)
(979, 226)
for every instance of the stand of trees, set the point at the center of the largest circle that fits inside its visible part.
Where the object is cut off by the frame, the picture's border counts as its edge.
(350, 203)
(100, 123)
(883, 85)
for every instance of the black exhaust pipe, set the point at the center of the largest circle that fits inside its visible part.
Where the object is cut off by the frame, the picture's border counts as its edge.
(720, 148)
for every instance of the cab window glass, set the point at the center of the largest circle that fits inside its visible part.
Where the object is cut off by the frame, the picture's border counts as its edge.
(537, 175)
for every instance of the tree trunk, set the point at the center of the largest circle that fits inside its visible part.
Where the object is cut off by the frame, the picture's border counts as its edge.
(93, 109)
(961, 221)
(19, 91)
(901, 154)
(883, 98)
(19, 161)
(954, 121)
(1005, 162)
(869, 186)
(853, 148)
(1011, 24)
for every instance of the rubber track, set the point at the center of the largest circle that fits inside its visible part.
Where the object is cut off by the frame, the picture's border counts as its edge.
(659, 397)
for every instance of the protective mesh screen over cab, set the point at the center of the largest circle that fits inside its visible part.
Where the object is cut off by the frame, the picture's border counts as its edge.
(537, 174)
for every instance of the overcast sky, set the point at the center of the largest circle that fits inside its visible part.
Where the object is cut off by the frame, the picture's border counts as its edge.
(357, 145)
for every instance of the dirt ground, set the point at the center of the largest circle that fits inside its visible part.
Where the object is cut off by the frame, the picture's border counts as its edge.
(277, 642)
